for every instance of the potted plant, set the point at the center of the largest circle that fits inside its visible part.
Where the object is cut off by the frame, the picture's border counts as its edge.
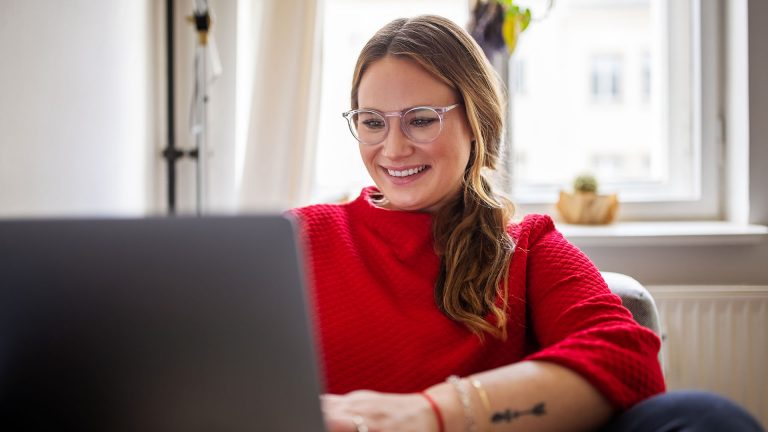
(496, 25)
(585, 205)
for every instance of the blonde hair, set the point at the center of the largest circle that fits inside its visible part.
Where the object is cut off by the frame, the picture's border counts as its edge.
(471, 232)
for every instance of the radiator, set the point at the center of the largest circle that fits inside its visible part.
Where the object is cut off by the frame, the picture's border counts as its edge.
(716, 339)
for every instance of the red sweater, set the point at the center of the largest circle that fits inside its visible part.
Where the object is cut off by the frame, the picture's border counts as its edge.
(373, 272)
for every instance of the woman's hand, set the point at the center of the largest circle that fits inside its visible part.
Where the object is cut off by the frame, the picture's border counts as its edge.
(363, 410)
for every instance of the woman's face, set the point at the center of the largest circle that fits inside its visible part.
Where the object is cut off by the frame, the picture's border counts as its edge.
(414, 176)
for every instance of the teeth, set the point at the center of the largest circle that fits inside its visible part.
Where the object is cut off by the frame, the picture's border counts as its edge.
(406, 173)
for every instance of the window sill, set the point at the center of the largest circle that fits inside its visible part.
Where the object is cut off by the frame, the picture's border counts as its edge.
(691, 233)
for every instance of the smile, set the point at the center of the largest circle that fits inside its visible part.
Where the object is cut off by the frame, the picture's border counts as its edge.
(406, 173)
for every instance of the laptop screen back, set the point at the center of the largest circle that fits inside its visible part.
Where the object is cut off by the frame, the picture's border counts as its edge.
(193, 324)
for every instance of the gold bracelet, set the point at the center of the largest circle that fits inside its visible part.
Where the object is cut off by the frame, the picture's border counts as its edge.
(482, 393)
(483, 396)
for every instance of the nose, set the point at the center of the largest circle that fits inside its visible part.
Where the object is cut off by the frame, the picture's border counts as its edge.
(396, 145)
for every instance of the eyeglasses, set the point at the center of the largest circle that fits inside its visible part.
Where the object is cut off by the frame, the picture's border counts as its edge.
(421, 124)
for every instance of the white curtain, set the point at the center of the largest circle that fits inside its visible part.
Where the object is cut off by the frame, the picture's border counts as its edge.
(278, 102)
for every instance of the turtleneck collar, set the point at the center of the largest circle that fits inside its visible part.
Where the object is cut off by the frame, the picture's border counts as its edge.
(407, 232)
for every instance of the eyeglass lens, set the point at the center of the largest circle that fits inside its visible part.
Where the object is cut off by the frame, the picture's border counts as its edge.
(419, 124)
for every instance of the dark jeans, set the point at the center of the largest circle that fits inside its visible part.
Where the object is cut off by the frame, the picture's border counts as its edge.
(684, 411)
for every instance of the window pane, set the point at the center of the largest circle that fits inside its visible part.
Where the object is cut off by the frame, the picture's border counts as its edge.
(348, 25)
(604, 87)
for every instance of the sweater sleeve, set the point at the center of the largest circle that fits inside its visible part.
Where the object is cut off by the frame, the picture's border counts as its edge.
(581, 325)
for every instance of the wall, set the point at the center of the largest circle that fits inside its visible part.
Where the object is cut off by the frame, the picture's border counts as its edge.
(78, 108)
(736, 264)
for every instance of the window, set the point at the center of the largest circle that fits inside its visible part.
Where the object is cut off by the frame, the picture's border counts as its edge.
(625, 90)
(348, 24)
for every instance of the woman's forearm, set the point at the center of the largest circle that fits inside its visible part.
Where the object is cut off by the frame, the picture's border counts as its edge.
(530, 396)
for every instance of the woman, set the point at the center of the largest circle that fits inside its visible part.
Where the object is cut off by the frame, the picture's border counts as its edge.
(434, 311)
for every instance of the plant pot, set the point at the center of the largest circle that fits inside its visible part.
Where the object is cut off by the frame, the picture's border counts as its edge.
(587, 208)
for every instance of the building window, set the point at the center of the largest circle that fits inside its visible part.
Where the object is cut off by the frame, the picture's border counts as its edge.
(645, 85)
(605, 78)
(518, 78)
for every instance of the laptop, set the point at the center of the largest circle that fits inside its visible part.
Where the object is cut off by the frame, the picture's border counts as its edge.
(167, 324)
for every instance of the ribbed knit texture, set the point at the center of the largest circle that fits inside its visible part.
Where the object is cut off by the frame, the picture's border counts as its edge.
(372, 273)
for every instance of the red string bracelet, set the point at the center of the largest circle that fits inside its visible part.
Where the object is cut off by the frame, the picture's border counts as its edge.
(436, 409)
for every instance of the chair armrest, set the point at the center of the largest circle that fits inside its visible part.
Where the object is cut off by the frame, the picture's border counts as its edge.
(636, 298)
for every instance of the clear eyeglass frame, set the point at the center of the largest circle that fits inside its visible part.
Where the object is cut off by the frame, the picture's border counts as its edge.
(440, 112)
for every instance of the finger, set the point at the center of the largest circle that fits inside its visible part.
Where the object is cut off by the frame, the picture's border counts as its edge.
(330, 401)
(340, 424)
(359, 424)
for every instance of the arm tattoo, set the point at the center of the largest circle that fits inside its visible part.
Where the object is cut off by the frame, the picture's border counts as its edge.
(509, 415)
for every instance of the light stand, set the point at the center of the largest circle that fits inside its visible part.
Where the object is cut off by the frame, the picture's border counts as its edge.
(202, 21)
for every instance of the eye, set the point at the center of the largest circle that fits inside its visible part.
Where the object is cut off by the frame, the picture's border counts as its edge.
(421, 122)
(420, 118)
(373, 124)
